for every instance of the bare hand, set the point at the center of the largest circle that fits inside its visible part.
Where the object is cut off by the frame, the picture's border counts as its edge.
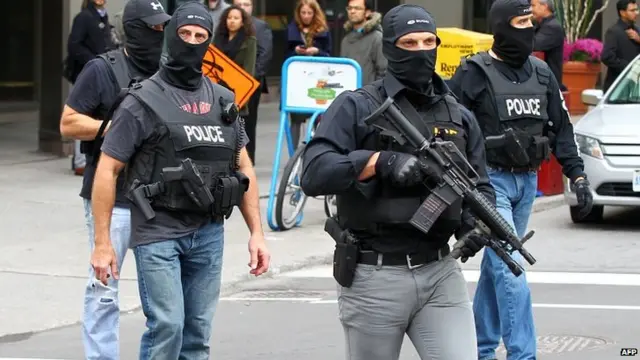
(633, 35)
(301, 50)
(104, 259)
(312, 50)
(259, 255)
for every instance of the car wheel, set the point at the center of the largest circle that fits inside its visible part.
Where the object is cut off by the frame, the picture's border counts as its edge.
(596, 214)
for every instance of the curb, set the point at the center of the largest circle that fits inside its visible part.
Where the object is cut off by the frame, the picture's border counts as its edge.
(547, 203)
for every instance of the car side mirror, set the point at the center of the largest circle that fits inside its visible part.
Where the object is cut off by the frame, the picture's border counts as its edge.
(592, 96)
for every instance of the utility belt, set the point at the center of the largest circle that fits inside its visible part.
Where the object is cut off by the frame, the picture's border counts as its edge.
(348, 254)
(216, 199)
(522, 152)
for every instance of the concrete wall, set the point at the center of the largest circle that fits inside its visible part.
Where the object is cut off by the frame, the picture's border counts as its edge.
(448, 13)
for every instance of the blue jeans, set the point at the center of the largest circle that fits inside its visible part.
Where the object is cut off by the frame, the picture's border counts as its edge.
(502, 302)
(101, 318)
(179, 284)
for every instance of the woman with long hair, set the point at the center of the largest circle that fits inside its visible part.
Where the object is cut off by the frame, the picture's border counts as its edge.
(307, 35)
(236, 38)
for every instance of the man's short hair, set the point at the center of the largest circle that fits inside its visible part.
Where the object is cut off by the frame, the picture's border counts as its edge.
(549, 4)
(368, 4)
(622, 5)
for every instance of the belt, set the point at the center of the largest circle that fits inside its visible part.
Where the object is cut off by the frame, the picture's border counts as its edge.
(513, 169)
(411, 260)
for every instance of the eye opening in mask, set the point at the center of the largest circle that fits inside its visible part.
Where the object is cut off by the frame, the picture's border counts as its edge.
(522, 22)
(417, 41)
(193, 34)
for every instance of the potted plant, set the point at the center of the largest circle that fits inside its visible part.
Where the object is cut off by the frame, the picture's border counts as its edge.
(581, 66)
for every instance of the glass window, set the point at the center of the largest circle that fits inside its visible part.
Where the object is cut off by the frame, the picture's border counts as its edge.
(627, 91)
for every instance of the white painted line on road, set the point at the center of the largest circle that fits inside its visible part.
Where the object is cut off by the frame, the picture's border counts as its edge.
(317, 301)
(533, 277)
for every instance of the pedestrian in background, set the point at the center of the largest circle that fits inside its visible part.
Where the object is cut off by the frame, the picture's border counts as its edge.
(235, 37)
(621, 41)
(216, 7)
(91, 35)
(363, 40)
(307, 35)
(263, 60)
(549, 36)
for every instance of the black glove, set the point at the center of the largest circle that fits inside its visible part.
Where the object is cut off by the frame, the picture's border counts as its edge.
(475, 240)
(583, 194)
(473, 243)
(399, 169)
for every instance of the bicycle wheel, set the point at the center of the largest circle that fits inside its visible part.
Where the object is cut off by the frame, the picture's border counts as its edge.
(290, 188)
(330, 207)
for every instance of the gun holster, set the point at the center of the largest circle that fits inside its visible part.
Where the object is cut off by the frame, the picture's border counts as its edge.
(345, 255)
(540, 148)
(228, 192)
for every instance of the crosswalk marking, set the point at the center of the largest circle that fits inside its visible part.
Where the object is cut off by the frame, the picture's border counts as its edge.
(533, 277)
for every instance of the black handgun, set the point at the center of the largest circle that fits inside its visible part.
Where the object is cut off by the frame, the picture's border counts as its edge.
(195, 187)
(138, 194)
(512, 146)
(345, 256)
(452, 183)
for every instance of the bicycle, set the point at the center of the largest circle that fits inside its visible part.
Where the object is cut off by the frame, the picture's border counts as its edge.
(291, 176)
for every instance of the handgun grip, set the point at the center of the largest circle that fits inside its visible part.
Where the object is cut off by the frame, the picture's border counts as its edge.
(142, 203)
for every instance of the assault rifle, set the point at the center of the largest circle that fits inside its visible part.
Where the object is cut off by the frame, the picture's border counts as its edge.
(451, 184)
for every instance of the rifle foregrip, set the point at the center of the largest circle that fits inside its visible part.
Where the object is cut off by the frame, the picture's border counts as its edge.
(488, 214)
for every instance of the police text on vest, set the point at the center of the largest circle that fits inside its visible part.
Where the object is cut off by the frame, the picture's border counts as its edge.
(523, 106)
(204, 133)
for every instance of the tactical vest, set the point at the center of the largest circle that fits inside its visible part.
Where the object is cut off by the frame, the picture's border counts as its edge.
(119, 74)
(391, 209)
(208, 140)
(519, 106)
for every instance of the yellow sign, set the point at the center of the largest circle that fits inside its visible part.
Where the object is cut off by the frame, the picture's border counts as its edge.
(224, 71)
(456, 44)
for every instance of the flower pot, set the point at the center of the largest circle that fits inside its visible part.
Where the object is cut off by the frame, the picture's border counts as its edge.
(578, 76)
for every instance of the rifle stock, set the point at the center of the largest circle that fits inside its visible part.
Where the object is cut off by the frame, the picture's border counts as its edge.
(454, 183)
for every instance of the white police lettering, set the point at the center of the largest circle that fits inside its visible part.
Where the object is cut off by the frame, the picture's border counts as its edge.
(523, 106)
(157, 6)
(423, 21)
(196, 17)
(204, 133)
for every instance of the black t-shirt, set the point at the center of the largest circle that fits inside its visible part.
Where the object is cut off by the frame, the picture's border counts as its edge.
(132, 125)
(93, 94)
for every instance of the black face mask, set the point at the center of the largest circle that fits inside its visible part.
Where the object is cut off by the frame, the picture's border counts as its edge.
(144, 46)
(183, 68)
(414, 69)
(513, 45)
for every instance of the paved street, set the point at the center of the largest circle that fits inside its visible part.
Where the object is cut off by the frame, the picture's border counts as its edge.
(586, 290)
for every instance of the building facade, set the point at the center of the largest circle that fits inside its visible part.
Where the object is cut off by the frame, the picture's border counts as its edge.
(36, 32)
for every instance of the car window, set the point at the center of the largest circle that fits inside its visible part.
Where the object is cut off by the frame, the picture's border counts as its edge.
(627, 91)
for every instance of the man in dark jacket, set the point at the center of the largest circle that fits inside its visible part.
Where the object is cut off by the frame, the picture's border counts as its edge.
(549, 36)
(363, 40)
(621, 41)
(263, 58)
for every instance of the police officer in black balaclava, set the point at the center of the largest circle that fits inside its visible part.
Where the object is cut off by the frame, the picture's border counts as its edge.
(404, 281)
(511, 91)
(179, 124)
(94, 93)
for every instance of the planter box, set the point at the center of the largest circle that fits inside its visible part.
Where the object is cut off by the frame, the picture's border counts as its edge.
(578, 76)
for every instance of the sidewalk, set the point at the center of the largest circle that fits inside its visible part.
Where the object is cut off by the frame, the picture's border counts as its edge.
(44, 257)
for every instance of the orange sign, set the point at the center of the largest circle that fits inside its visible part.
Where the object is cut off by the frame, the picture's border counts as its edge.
(224, 71)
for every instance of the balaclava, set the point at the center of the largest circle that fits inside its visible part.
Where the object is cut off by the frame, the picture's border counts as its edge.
(511, 44)
(144, 46)
(183, 68)
(414, 69)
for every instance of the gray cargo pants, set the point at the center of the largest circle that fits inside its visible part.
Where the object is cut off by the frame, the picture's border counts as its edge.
(430, 303)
